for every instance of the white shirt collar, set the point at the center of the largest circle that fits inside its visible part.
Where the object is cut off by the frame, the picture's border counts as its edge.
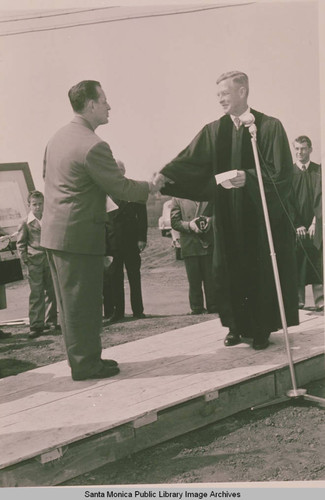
(246, 112)
(299, 164)
(31, 217)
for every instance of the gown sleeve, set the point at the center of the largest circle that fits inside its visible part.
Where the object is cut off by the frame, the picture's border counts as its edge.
(192, 170)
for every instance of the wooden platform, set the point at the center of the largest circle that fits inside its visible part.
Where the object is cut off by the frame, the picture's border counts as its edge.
(53, 429)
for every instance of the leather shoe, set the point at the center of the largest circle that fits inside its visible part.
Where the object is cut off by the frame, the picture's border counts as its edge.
(115, 318)
(4, 335)
(196, 311)
(37, 332)
(139, 315)
(232, 339)
(109, 362)
(105, 371)
(259, 344)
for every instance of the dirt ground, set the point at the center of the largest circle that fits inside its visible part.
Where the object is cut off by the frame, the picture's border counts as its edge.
(280, 443)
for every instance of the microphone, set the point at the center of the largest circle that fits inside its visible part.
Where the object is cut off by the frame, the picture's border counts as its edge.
(249, 121)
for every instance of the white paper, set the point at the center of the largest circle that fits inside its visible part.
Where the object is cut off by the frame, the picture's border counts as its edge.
(224, 178)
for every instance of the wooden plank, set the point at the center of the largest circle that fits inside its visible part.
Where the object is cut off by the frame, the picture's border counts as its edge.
(158, 343)
(141, 398)
(198, 413)
(157, 380)
(78, 458)
(91, 453)
(49, 378)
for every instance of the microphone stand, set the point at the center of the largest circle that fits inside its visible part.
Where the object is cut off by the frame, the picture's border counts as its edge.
(294, 393)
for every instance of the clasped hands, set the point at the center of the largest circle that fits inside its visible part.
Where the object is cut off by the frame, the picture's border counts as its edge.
(157, 182)
(302, 231)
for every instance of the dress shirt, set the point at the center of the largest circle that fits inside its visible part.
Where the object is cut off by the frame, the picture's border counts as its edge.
(243, 115)
(300, 165)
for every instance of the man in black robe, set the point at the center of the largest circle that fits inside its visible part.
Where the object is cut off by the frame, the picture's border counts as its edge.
(247, 299)
(307, 214)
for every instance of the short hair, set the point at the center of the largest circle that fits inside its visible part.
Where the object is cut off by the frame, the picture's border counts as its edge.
(35, 194)
(237, 77)
(303, 138)
(82, 92)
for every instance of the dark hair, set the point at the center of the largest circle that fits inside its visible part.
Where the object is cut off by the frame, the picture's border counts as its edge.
(303, 138)
(35, 194)
(237, 77)
(81, 93)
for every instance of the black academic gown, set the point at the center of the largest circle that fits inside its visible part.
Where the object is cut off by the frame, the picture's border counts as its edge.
(247, 299)
(306, 203)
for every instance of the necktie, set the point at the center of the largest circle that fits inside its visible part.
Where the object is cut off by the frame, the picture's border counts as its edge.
(237, 122)
(303, 168)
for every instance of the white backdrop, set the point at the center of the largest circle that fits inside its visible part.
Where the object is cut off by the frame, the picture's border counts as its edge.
(159, 75)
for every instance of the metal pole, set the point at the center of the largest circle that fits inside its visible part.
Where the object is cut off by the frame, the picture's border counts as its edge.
(295, 392)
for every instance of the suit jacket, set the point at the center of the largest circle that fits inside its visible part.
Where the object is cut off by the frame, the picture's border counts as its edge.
(79, 170)
(126, 226)
(28, 239)
(182, 212)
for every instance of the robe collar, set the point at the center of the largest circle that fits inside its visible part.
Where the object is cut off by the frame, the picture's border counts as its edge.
(299, 164)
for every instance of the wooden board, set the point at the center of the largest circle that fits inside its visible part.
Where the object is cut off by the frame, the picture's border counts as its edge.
(45, 416)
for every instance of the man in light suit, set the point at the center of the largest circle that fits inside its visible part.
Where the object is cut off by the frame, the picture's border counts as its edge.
(197, 249)
(79, 171)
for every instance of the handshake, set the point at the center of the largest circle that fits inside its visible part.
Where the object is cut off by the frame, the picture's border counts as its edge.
(158, 182)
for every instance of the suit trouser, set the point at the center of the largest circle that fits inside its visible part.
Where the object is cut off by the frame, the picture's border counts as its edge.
(132, 261)
(199, 270)
(108, 292)
(318, 294)
(78, 282)
(42, 302)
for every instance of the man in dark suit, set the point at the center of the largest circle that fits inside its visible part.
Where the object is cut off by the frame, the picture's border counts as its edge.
(307, 214)
(79, 171)
(127, 238)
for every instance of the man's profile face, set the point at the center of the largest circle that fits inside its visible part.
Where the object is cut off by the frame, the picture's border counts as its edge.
(232, 97)
(302, 151)
(101, 107)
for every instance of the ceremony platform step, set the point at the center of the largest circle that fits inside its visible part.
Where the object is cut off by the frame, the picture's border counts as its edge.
(53, 429)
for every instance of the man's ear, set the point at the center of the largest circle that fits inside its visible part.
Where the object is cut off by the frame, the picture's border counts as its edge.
(242, 92)
(89, 106)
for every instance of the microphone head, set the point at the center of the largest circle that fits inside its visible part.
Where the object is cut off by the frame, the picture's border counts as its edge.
(253, 129)
(248, 120)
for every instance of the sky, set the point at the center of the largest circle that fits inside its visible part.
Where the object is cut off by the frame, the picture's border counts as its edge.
(159, 76)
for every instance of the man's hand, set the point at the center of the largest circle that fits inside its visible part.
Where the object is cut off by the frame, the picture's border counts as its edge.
(158, 182)
(311, 230)
(142, 245)
(301, 232)
(194, 227)
(239, 180)
(209, 224)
